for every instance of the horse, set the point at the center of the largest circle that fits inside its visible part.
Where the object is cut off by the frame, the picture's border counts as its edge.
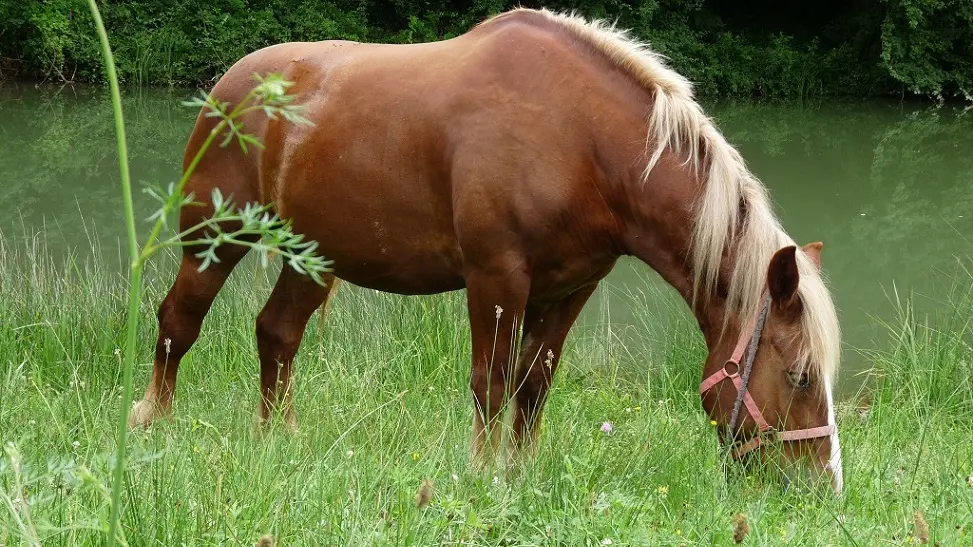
(518, 161)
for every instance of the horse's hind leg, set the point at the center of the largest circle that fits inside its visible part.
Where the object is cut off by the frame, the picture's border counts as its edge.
(280, 328)
(180, 318)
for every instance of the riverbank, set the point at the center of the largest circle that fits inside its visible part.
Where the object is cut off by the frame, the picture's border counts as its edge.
(383, 403)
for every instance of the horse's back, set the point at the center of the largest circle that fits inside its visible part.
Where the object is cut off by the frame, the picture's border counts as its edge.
(422, 157)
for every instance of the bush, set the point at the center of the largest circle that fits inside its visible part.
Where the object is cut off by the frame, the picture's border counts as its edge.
(863, 48)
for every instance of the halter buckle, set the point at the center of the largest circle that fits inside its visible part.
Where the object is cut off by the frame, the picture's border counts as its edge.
(768, 436)
(736, 368)
(762, 438)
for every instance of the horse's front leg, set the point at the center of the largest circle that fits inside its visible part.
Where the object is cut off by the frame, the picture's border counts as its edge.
(496, 299)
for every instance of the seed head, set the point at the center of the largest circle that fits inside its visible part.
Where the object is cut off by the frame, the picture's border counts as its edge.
(740, 527)
(266, 540)
(424, 494)
(922, 528)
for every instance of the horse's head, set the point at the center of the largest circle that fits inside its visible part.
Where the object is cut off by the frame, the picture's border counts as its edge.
(776, 396)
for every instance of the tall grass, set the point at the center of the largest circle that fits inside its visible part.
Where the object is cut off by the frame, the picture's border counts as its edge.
(225, 226)
(930, 359)
(383, 402)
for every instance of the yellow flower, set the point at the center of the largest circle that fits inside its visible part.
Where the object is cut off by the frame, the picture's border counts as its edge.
(638, 408)
(663, 490)
(415, 456)
(712, 423)
(678, 532)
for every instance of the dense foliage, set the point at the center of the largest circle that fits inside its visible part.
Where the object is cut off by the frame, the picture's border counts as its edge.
(765, 48)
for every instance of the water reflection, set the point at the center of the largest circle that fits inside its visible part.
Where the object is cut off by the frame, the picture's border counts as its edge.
(887, 187)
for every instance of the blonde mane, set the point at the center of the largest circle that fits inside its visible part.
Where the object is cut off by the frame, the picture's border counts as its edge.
(677, 122)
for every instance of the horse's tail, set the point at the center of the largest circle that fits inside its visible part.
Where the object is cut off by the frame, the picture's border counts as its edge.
(325, 308)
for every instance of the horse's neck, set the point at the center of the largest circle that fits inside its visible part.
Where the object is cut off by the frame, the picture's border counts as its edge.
(658, 225)
(655, 216)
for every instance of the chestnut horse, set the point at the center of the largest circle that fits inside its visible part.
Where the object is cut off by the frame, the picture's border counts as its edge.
(518, 161)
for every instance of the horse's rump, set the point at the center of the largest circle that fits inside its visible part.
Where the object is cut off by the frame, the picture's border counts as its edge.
(419, 150)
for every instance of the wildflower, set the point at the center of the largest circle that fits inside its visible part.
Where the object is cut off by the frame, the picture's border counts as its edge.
(454, 476)
(969, 481)
(606, 427)
(415, 456)
(76, 444)
(638, 408)
(349, 454)
(712, 423)
(424, 494)
(740, 527)
(274, 89)
(663, 489)
(270, 89)
(606, 541)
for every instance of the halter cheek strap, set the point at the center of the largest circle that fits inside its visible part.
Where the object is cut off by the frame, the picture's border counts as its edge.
(766, 434)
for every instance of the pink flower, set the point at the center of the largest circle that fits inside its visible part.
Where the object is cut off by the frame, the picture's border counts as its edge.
(606, 427)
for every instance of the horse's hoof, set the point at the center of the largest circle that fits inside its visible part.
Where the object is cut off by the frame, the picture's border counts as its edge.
(143, 414)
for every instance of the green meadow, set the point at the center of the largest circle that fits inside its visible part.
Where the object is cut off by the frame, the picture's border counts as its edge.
(384, 407)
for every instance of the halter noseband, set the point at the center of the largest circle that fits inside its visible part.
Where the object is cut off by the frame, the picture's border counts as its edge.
(749, 339)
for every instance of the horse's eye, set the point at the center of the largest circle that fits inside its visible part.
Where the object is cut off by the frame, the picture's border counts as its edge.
(800, 380)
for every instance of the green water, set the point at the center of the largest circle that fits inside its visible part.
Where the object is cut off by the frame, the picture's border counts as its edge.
(888, 188)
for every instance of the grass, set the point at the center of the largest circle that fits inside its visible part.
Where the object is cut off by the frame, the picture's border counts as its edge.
(383, 405)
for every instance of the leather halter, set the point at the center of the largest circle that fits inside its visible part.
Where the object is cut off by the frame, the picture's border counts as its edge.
(749, 339)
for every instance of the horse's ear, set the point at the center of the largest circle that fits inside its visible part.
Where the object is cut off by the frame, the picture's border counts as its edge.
(783, 278)
(813, 251)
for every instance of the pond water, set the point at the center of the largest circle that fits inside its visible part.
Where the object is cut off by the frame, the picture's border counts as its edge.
(888, 187)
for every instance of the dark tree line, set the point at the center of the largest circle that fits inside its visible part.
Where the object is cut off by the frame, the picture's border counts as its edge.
(753, 48)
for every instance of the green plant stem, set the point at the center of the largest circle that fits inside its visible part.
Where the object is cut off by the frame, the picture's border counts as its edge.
(135, 282)
(150, 242)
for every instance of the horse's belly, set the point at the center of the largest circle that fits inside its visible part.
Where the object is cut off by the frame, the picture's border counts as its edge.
(422, 273)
